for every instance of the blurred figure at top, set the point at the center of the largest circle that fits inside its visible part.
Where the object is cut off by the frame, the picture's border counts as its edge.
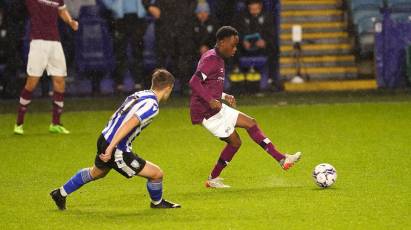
(129, 27)
(204, 29)
(257, 30)
(173, 44)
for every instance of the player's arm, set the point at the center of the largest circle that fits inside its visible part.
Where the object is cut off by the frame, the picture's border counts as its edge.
(230, 99)
(120, 134)
(195, 85)
(66, 17)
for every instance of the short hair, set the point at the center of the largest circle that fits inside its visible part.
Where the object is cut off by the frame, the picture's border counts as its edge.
(226, 32)
(161, 78)
(249, 2)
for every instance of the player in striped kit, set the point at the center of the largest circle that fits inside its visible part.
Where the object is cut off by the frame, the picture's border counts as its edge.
(114, 150)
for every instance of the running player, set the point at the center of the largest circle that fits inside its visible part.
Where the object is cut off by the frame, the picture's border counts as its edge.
(45, 53)
(207, 85)
(114, 144)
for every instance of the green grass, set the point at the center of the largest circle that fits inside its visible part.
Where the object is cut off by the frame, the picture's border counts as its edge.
(368, 143)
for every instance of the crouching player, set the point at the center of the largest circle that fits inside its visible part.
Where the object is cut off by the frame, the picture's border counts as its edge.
(114, 144)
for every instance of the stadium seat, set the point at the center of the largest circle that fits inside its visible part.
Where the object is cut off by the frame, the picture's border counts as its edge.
(401, 17)
(253, 61)
(365, 30)
(359, 15)
(365, 4)
(94, 49)
(366, 42)
(399, 5)
(366, 25)
(258, 62)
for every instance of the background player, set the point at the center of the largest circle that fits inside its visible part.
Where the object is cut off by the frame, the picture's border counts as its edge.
(46, 53)
(114, 145)
(207, 86)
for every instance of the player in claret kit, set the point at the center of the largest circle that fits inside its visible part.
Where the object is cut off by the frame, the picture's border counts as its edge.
(46, 53)
(114, 144)
(207, 85)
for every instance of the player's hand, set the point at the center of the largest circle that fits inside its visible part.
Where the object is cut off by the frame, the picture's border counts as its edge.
(231, 100)
(106, 156)
(74, 25)
(155, 11)
(215, 104)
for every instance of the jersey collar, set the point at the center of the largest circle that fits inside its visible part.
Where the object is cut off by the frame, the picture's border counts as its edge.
(154, 95)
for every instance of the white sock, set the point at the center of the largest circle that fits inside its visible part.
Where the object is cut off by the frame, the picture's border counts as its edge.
(63, 192)
(156, 202)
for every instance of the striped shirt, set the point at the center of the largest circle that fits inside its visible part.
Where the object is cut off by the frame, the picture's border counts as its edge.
(143, 105)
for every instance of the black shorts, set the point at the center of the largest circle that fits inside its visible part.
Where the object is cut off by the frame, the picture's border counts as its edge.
(127, 164)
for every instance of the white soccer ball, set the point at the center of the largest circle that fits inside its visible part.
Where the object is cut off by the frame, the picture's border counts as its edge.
(324, 175)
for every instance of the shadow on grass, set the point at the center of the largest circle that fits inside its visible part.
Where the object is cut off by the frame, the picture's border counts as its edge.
(106, 210)
(242, 191)
(142, 214)
(325, 189)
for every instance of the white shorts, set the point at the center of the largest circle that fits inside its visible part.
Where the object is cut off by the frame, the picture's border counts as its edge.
(222, 124)
(46, 55)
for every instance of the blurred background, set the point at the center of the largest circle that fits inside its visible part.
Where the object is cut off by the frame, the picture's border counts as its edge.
(287, 45)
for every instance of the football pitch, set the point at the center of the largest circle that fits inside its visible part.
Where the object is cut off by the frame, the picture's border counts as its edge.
(367, 142)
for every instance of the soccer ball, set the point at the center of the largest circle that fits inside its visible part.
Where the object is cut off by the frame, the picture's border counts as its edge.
(324, 175)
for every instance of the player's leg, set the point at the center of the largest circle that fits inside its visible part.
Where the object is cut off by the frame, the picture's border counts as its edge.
(58, 105)
(79, 179)
(222, 125)
(37, 62)
(233, 144)
(154, 176)
(57, 69)
(25, 100)
(82, 177)
(250, 124)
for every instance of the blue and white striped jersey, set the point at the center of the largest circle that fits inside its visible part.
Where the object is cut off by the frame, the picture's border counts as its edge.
(143, 105)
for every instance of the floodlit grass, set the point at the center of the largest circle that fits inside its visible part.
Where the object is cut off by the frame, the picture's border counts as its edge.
(368, 144)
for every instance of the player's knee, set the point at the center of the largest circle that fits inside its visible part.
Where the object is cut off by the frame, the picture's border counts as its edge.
(59, 85)
(100, 176)
(97, 174)
(30, 86)
(236, 143)
(158, 175)
(253, 122)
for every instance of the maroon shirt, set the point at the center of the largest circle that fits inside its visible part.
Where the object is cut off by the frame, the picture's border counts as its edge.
(211, 72)
(43, 19)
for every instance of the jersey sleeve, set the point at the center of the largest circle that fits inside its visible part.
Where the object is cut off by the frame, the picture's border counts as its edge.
(146, 110)
(206, 67)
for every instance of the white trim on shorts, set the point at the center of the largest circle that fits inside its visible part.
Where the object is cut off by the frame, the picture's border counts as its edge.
(46, 55)
(222, 124)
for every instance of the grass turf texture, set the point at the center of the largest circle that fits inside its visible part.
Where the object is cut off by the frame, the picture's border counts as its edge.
(368, 143)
